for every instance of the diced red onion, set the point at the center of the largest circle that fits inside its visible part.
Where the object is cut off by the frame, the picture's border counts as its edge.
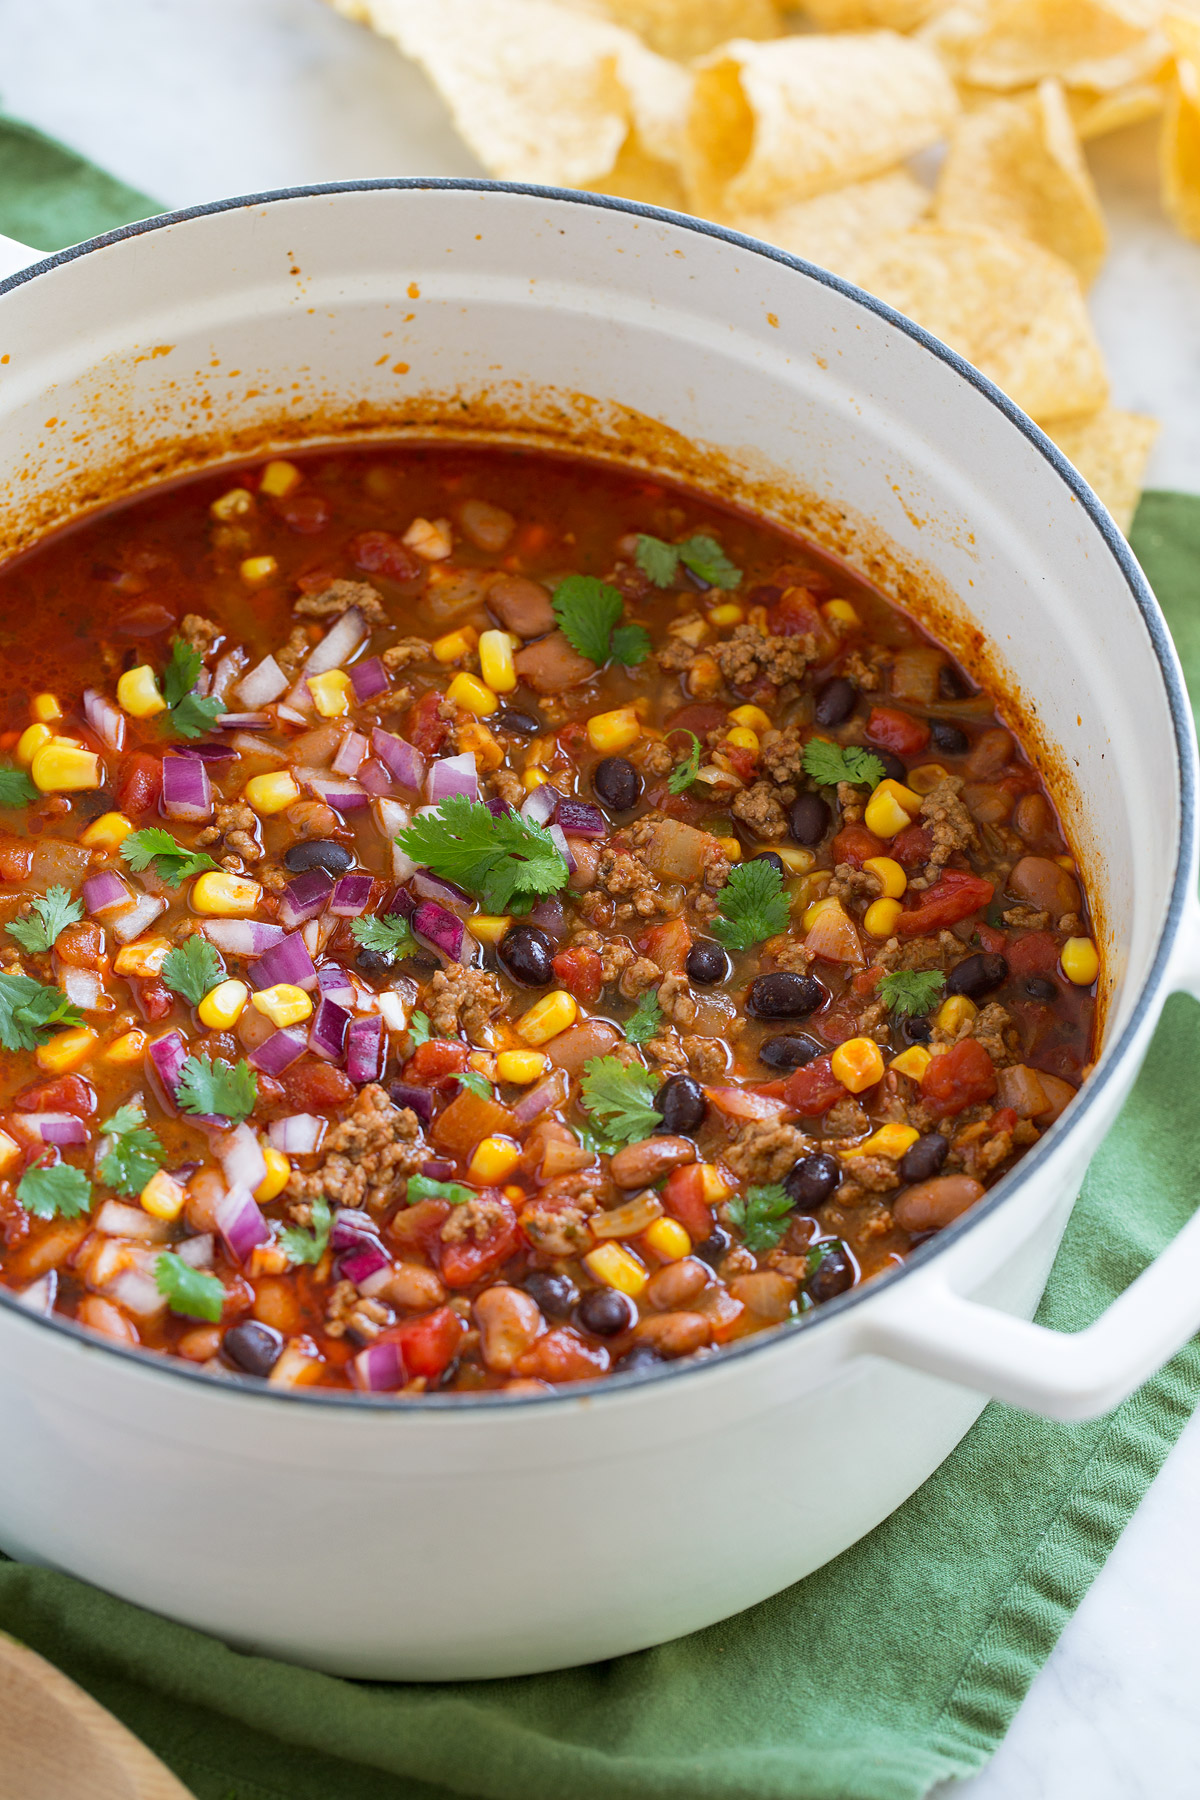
(500, 809)
(402, 902)
(374, 778)
(265, 682)
(428, 886)
(538, 808)
(338, 644)
(40, 1295)
(403, 865)
(287, 961)
(351, 896)
(208, 753)
(417, 1099)
(562, 846)
(436, 1168)
(402, 760)
(327, 1032)
(352, 1228)
(379, 1368)
(245, 721)
(241, 1224)
(202, 683)
(197, 1252)
(548, 1093)
(335, 984)
(439, 929)
(392, 1011)
(242, 937)
(452, 775)
(351, 754)
(550, 916)
(278, 1052)
(168, 1055)
(304, 897)
(240, 1156)
(364, 1049)
(343, 796)
(579, 819)
(316, 933)
(359, 1265)
(186, 789)
(299, 1134)
(105, 893)
(105, 719)
(391, 816)
(290, 714)
(63, 1129)
(128, 925)
(227, 671)
(368, 679)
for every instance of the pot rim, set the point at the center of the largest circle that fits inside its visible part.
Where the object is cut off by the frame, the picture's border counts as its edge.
(613, 1387)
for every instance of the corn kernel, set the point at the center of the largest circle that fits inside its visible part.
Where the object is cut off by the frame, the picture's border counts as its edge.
(31, 741)
(912, 1062)
(267, 1259)
(690, 631)
(548, 1016)
(10, 1153)
(475, 737)
(520, 1066)
(1080, 961)
(1067, 863)
(455, 645)
(162, 1197)
(742, 738)
(668, 1239)
(716, 1187)
(494, 1158)
(45, 708)
(889, 1140)
(469, 693)
(794, 859)
(879, 920)
(531, 779)
(275, 1180)
(813, 911)
(891, 809)
(728, 613)
(283, 1004)
(145, 956)
(483, 1062)
(857, 1064)
(66, 1050)
(757, 616)
(925, 777)
(278, 479)
(514, 1193)
(753, 717)
(611, 731)
(129, 1048)
(332, 693)
(224, 1005)
(233, 505)
(224, 896)
(430, 538)
(107, 832)
(489, 928)
(138, 693)
(496, 663)
(840, 614)
(269, 794)
(256, 571)
(617, 1267)
(954, 1012)
(811, 888)
(65, 769)
(890, 873)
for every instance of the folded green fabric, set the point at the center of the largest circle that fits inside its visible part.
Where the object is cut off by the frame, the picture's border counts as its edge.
(898, 1665)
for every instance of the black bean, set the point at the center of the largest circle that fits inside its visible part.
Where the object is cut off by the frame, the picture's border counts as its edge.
(642, 1356)
(377, 962)
(554, 1294)
(922, 1160)
(523, 724)
(893, 768)
(783, 995)
(948, 738)
(832, 1275)
(787, 1051)
(835, 701)
(681, 1102)
(712, 1248)
(527, 955)
(706, 963)
(814, 1180)
(771, 856)
(606, 1312)
(1038, 988)
(318, 853)
(617, 783)
(952, 683)
(915, 1031)
(978, 975)
(252, 1347)
(808, 819)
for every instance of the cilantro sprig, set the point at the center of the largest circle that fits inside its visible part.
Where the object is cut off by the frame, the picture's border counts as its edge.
(701, 554)
(621, 1096)
(424, 1187)
(508, 861)
(646, 1020)
(29, 1012)
(190, 715)
(172, 862)
(134, 1154)
(754, 906)
(59, 1192)
(193, 969)
(589, 612)
(50, 913)
(16, 789)
(762, 1216)
(686, 770)
(475, 1082)
(212, 1086)
(187, 1291)
(383, 931)
(909, 993)
(830, 763)
(419, 1028)
(309, 1246)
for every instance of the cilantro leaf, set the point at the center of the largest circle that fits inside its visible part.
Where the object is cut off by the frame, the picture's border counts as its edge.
(189, 1291)
(27, 1009)
(134, 1154)
(829, 763)
(16, 789)
(762, 1216)
(424, 1187)
(589, 612)
(51, 913)
(216, 1087)
(595, 1141)
(646, 1020)
(911, 992)
(182, 671)
(621, 1096)
(657, 559)
(309, 1246)
(190, 714)
(419, 1028)
(699, 553)
(753, 906)
(384, 931)
(59, 1192)
(685, 771)
(193, 969)
(507, 861)
(195, 714)
(475, 1083)
(172, 862)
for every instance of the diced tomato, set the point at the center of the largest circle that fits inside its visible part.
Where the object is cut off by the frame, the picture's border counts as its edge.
(837, 1025)
(990, 939)
(140, 784)
(304, 511)
(744, 1103)
(683, 1197)
(1003, 1120)
(423, 728)
(431, 1062)
(270, 1092)
(897, 731)
(865, 981)
(464, 1261)
(383, 553)
(69, 1094)
(701, 717)
(854, 844)
(16, 859)
(154, 998)
(667, 945)
(958, 1078)
(562, 1355)
(812, 1090)
(795, 614)
(430, 1344)
(911, 847)
(81, 946)
(742, 762)
(1033, 953)
(955, 896)
(581, 972)
(310, 1083)
(315, 581)
(419, 1227)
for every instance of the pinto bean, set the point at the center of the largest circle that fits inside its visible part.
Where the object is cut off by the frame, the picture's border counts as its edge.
(1058, 1092)
(992, 752)
(586, 852)
(488, 527)
(102, 1316)
(552, 665)
(413, 1288)
(675, 1333)
(987, 802)
(509, 1324)
(577, 1045)
(677, 1284)
(200, 1345)
(767, 1295)
(641, 1165)
(205, 1192)
(1046, 886)
(276, 1303)
(929, 1205)
(1033, 818)
(522, 606)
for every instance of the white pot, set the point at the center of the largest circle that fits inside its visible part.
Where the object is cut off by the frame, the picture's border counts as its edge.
(444, 1538)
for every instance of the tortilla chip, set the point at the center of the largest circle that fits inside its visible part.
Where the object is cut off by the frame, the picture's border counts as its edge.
(1179, 151)
(1094, 114)
(1009, 44)
(685, 28)
(1110, 450)
(1013, 309)
(773, 123)
(832, 228)
(543, 94)
(865, 15)
(1016, 167)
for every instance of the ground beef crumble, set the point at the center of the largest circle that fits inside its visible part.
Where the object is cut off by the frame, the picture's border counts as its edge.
(766, 1152)
(236, 826)
(199, 633)
(462, 1000)
(366, 1157)
(751, 654)
(338, 598)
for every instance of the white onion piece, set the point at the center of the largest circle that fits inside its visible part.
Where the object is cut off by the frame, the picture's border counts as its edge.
(137, 1291)
(393, 1010)
(115, 1219)
(83, 988)
(290, 714)
(338, 644)
(265, 682)
(241, 1158)
(197, 1252)
(40, 1295)
(246, 745)
(128, 925)
(227, 671)
(298, 699)
(351, 754)
(106, 720)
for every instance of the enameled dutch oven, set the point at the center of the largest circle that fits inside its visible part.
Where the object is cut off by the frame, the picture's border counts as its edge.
(481, 1537)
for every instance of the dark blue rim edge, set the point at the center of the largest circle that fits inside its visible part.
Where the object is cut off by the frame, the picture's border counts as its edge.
(610, 1387)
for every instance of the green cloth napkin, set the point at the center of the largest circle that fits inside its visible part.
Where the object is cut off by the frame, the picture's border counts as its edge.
(898, 1665)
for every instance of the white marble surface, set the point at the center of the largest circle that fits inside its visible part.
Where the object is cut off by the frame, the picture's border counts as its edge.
(192, 99)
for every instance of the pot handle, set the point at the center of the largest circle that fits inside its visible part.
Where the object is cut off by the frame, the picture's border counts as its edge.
(14, 257)
(1061, 1375)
